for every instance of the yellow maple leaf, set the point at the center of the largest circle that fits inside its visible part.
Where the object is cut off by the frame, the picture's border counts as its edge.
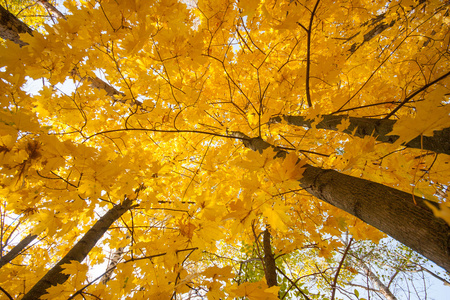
(276, 216)
(255, 161)
(187, 229)
(74, 267)
(431, 115)
(345, 123)
(59, 291)
(442, 212)
(218, 273)
(287, 171)
(249, 7)
(256, 291)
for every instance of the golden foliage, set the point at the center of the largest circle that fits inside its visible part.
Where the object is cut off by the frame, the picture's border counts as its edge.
(189, 74)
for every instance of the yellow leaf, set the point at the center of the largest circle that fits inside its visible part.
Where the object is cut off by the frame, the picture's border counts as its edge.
(442, 212)
(345, 123)
(218, 273)
(256, 291)
(74, 267)
(277, 216)
(431, 115)
(255, 160)
(57, 292)
(249, 7)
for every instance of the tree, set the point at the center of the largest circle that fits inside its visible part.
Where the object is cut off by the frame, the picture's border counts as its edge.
(185, 115)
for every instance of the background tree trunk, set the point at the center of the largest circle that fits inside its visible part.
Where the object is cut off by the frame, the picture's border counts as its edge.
(17, 249)
(376, 281)
(81, 249)
(270, 268)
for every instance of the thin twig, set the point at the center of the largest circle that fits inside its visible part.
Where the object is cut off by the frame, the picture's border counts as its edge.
(415, 93)
(293, 283)
(308, 55)
(333, 287)
(6, 293)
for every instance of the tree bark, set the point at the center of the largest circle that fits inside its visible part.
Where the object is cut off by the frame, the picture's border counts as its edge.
(404, 217)
(376, 281)
(11, 27)
(380, 128)
(81, 249)
(112, 264)
(379, 28)
(51, 9)
(17, 249)
(270, 268)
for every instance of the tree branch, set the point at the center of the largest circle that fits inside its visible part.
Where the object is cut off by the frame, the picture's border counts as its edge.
(379, 128)
(51, 9)
(6, 293)
(333, 287)
(415, 93)
(81, 249)
(17, 249)
(308, 55)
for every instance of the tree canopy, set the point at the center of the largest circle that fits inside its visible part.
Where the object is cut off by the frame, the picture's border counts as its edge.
(167, 141)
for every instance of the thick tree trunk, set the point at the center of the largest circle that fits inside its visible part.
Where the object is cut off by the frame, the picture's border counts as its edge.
(380, 128)
(81, 249)
(11, 27)
(17, 249)
(401, 215)
(405, 218)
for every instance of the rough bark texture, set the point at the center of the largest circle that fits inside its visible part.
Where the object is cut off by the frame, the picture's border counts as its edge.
(81, 249)
(401, 215)
(270, 268)
(11, 27)
(17, 249)
(391, 211)
(380, 128)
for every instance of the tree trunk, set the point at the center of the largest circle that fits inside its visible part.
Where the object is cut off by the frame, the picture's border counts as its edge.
(17, 249)
(112, 264)
(376, 281)
(380, 128)
(51, 9)
(270, 268)
(392, 211)
(404, 217)
(11, 27)
(81, 249)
